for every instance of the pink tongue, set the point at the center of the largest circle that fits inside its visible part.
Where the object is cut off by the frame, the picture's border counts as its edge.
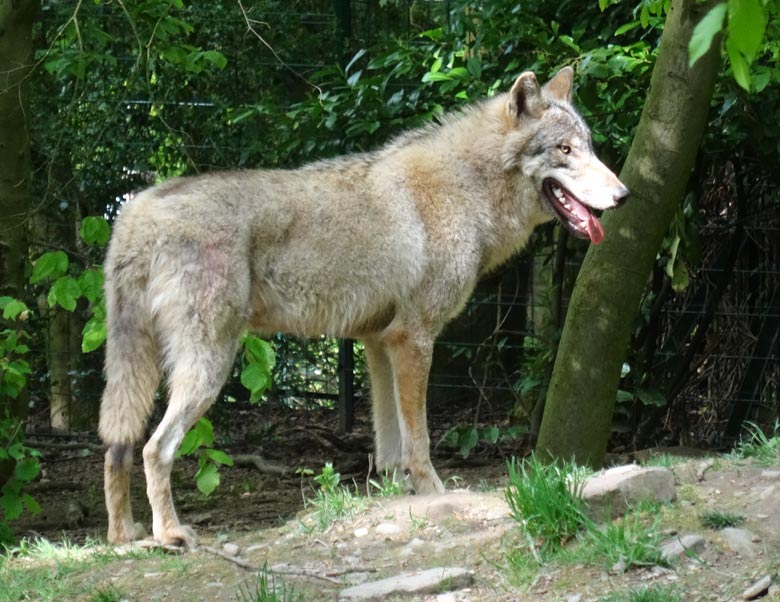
(593, 225)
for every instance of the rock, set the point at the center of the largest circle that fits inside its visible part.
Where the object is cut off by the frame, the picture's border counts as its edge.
(739, 541)
(431, 581)
(388, 529)
(231, 549)
(613, 490)
(361, 532)
(770, 474)
(682, 546)
(573, 598)
(758, 588)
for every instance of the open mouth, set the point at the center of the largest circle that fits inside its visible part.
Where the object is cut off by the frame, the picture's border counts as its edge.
(573, 214)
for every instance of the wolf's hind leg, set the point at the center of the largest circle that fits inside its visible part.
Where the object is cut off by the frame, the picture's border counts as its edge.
(118, 464)
(195, 380)
(410, 357)
(387, 433)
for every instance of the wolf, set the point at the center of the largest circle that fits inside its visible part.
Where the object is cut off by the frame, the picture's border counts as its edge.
(383, 246)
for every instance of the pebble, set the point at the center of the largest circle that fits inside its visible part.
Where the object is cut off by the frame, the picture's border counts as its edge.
(152, 575)
(388, 529)
(682, 546)
(231, 549)
(361, 532)
(758, 588)
(770, 474)
(573, 598)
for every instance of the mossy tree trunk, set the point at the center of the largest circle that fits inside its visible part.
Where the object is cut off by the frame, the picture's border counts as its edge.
(16, 55)
(581, 397)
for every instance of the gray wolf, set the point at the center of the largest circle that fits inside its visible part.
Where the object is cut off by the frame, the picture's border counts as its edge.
(383, 246)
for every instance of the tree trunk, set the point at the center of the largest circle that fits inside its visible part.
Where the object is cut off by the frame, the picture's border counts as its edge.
(582, 392)
(16, 55)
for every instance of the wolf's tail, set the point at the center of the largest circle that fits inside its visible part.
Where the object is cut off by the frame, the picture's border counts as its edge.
(132, 364)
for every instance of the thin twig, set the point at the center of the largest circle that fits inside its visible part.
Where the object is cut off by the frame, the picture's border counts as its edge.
(282, 62)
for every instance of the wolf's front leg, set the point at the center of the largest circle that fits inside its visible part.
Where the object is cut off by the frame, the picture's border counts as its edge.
(410, 357)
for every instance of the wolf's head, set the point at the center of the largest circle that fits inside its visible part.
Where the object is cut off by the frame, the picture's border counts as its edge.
(550, 143)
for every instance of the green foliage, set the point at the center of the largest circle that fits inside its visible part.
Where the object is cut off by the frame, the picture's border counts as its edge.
(107, 593)
(14, 370)
(466, 438)
(200, 439)
(332, 501)
(13, 499)
(546, 499)
(757, 445)
(718, 519)
(746, 24)
(258, 359)
(268, 589)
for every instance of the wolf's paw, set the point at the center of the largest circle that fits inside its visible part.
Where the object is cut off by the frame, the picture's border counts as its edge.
(182, 536)
(126, 532)
(427, 483)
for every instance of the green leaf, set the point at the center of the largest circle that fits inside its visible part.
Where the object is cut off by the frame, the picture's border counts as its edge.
(12, 308)
(681, 277)
(29, 502)
(65, 291)
(255, 379)
(91, 284)
(95, 231)
(739, 65)
(704, 32)
(219, 456)
(468, 441)
(27, 470)
(93, 334)
(11, 504)
(747, 23)
(624, 396)
(435, 76)
(651, 397)
(207, 478)
(52, 264)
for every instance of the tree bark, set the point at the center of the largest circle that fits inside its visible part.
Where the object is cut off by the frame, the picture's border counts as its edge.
(581, 397)
(16, 56)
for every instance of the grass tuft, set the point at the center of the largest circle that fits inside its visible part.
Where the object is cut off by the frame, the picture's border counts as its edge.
(756, 444)
(653, 593)
(332, 501)
(546, 499)
(715, 519)
(268, 589)
(628, 540)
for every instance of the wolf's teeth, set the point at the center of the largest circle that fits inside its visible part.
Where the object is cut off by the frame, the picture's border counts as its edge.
(566, 205)
(558, 193)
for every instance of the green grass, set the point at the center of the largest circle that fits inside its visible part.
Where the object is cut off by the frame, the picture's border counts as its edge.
(632, 540)
(716, 519)
(763, 448)
(546, 500)
(653, 593)
(332, 501)
(51, 571)
(387, 485)
(268, 589)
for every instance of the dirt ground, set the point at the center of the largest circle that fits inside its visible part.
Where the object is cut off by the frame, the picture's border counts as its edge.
(469, 527)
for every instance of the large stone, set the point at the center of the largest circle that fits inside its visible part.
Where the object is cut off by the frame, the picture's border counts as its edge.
(740, 541)
(686, 545)
(431, 581)
(611, 492)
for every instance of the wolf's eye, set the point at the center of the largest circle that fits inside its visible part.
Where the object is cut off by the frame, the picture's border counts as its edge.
(564, 148)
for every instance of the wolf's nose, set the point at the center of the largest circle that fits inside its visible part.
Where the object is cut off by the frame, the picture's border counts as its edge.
(621, 196)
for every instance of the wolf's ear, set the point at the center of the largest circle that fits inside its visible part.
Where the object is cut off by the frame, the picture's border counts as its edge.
(560, 86)
(525, 97)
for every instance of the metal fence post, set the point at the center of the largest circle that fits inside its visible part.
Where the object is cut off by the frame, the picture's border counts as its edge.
(346, 385)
